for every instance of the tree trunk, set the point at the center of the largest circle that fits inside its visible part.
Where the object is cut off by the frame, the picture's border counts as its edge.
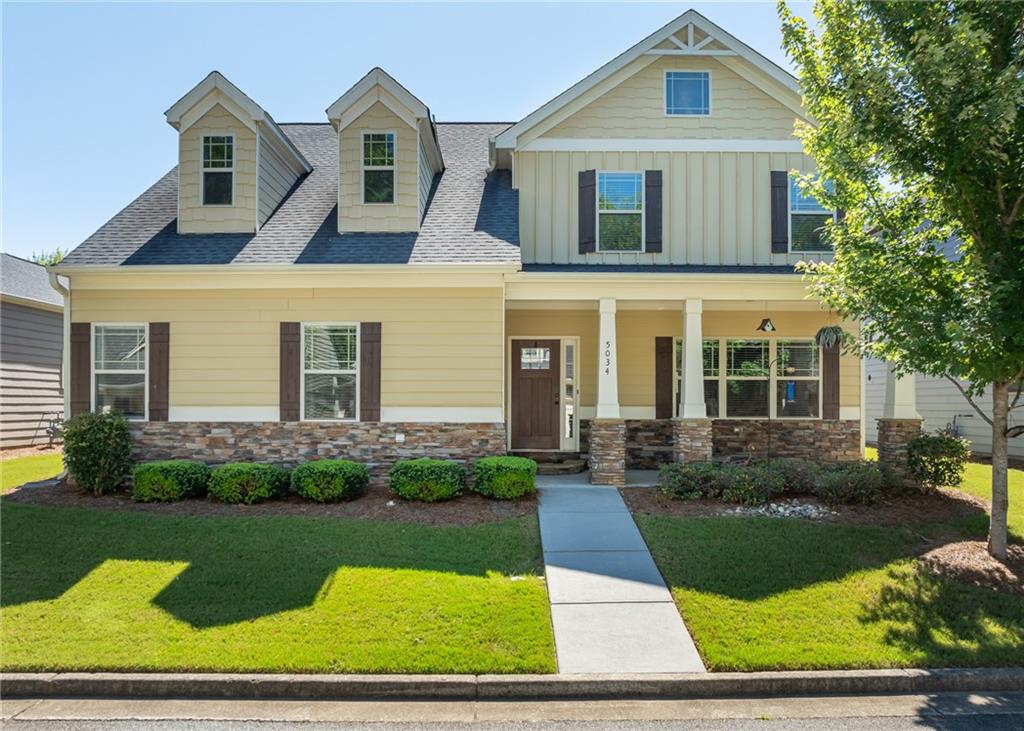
(1000, 499)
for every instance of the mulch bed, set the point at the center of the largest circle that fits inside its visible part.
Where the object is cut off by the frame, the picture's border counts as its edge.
(939, 507)
(16, 452)
(969, 562)
(377, 504)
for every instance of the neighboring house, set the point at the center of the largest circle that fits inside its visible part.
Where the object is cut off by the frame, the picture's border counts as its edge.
(31, 341)
(940, 404)
(380, 285)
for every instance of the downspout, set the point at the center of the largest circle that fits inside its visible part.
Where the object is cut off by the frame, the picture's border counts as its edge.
(65, 356)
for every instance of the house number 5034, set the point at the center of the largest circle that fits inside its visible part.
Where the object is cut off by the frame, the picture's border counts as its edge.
(607, 357)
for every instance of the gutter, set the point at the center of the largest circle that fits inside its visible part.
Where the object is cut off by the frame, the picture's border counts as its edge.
(444, 267)
(65, 354)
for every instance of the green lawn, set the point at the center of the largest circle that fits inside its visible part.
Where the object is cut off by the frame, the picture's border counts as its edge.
(767, 593)
(18, 471)
(99, 590)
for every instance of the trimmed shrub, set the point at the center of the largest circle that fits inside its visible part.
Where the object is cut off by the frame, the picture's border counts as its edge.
(505, 478)
(753, 484)
(690, 480)
(330, 480)
(799, 476)
(851, 482)
(248, 482)
(430, 480)
(169, 480)
(938, 460)
(97, 451)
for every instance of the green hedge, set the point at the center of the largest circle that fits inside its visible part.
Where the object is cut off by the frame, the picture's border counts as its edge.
(425, 479)
(851, 482)
(97, 451)
(330, 480)
(169, 480)
(938, 460)
(505, 478)
(247, 482)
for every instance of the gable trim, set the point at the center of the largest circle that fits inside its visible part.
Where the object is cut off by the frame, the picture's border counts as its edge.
(367, 101)
(377, 77)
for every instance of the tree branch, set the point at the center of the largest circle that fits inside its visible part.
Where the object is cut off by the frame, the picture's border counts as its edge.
(1016, 398)
(1013, 211)
(960, 388)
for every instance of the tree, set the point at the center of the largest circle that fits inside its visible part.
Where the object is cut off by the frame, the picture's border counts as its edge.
(49, 258)
(919, 131)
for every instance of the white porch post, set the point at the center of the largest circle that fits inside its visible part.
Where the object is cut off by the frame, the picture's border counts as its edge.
(691, 398)
(607, 364)
(900, 396)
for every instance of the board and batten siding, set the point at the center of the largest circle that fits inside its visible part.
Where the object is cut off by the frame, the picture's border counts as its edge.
(440, 347)
(716, 206)
(193, 216)
(31, 342)
(277, 175)
(353, 214)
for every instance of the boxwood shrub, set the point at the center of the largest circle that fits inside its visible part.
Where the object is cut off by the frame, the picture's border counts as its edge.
(505, 478)
(938, 460)
(169, 480)
(97, 451)
(330, 480)
(426, 479)
(247, 482)
(851, 482)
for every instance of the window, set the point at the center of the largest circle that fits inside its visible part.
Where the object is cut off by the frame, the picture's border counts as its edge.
(379, 167)
(746, 378)
(711, 355)
(119, 370)
(218, 169)
(807, 219)
(797, 374)
(535, 359)
(330, 362)
(687, 93)
(620, 218)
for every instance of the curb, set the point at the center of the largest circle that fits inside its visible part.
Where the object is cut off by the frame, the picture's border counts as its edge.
(508, 687)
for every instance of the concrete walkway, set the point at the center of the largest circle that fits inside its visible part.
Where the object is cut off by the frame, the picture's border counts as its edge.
(611, 610)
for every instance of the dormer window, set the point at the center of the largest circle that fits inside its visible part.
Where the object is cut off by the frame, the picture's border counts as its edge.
(378, 167)
(218, 169)
(687, 93)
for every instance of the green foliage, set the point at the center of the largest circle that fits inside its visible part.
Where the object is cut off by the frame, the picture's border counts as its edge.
(938, 460)
(248, 482)
(690, 480)
(753, 484)
(429, 480)
(49, 258)
(330, 480)
(505, 478)
(169, 480)
(852, 483)
(799, 476)
(97, 451)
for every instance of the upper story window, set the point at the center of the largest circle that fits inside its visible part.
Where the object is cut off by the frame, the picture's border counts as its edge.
(218, 169)
(620, 205)
(807, 219)
(687, 93)
(330, 370)
(119, 370)
(378, 167)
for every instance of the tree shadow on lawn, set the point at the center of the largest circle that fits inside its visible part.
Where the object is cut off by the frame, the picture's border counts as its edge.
(241, 568)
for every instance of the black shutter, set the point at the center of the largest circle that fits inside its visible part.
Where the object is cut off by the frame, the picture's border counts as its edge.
(159, 365)
(780, 211)
(290, 374)
(81, 397)
(588, 211)
(663, 375)
(369, 371)
(830, 382)
(652, 201)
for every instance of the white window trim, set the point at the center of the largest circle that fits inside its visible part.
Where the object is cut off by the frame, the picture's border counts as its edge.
(93, 372)
(664, 94)
(599, 212)
(773, 378)
(789, 221)
(363, 167)
(302, 370)
(203, 170)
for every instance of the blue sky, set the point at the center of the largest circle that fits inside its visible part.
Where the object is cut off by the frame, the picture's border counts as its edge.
(85, 85)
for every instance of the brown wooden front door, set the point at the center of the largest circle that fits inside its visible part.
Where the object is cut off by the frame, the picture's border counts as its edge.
(535, 394)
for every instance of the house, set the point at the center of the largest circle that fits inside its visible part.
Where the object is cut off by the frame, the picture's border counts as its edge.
(613, 275)
(31, 339)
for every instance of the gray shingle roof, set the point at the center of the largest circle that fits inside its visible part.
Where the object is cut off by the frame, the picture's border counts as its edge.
(27, 280)
(472, 217)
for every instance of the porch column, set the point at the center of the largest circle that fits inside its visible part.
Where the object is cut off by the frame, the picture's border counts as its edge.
(608, 430)
(691, 431)
(900, 424)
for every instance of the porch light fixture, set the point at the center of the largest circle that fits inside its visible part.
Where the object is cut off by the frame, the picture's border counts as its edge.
(766, 325)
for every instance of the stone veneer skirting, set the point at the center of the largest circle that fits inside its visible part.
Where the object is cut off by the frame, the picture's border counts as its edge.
(691, 440)
(894, 437)
(608, 452)
(292, 442)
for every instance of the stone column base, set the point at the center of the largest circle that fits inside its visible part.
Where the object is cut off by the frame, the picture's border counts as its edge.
(608, 452)
(894, 436)
(691, 440)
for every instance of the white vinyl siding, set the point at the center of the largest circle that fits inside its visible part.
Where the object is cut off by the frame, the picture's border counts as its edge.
(426, 180)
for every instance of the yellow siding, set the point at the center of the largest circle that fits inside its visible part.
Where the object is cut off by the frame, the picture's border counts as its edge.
(403, 214)
(716, 205)
(637, 329)
(440, 347)
(193, 216)
(636, 108)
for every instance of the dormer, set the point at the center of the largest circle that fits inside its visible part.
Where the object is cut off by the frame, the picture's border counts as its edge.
(235, 165)
(388, 156)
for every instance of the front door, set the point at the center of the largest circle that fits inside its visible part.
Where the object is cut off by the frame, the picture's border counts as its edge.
(535, 394)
